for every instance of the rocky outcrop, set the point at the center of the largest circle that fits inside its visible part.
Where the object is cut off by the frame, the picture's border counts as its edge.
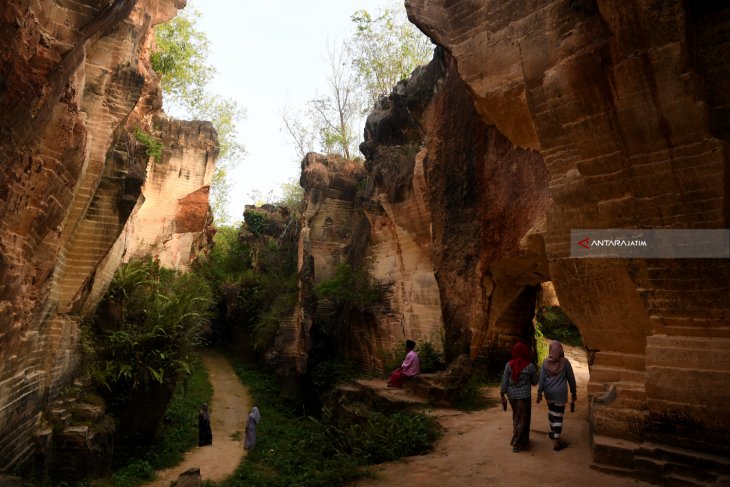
(626, 102)
(173, 220)
(76, 86)
(445, 216)
(329, 217)
(472, 204)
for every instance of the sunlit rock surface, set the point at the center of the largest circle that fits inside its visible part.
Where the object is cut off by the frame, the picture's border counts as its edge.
(446, 215)
(76, 82)
(174, 216)
(627, 102)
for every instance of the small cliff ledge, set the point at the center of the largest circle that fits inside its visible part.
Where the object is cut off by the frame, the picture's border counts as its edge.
(627, 103)
(75, 87)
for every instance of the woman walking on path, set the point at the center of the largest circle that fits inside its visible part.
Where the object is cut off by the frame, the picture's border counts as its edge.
(555, 377)
(205, 434)
(253, 420)
(519, 376)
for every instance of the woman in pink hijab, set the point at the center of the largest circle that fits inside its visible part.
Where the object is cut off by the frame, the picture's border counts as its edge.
(555, 377)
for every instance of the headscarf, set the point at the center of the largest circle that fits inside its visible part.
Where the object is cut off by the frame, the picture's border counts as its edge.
(255, 415)
(555, 361)
(520, 359)
(204, 412)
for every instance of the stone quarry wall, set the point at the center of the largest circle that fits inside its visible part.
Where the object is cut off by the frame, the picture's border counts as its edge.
(445, 214)
(76, 82)
(174, 220)
(465, 209)
(627, 102)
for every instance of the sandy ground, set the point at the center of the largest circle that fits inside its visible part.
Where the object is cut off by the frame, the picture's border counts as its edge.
(229, 411)
(475, 451)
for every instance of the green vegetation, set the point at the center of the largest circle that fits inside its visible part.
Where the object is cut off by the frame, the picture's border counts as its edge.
(255, 221)
(554, 324)
(177, 433)
(388, 49)
(181, 58)
(295, 450)
(431, 357)
(384, 49)
(472, 398)
(153, 146)
(135, 473)
(146, 327)
(352, 286)
(253, 272)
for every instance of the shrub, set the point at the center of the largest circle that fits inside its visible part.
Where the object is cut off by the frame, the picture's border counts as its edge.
(136, 473)
(430, 357)
(147, 325)
(353, 287)
(381, 437)
(153, 145)
(555, 324)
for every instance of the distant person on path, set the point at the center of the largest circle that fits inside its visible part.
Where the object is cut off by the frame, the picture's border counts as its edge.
(555, 377)
(253, 420)
(205, 434)
(411, 366)
(520, 374)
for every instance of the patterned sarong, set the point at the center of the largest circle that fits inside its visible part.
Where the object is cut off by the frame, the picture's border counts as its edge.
(521, 412)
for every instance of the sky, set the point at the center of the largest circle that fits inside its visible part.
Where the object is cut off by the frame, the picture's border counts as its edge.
(270, 55)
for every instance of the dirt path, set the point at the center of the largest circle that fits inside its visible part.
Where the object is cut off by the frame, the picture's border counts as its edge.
(229, 411)
(474, 450)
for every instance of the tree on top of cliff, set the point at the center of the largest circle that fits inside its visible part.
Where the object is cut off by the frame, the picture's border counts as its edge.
(384, 49)
(181, 59)
(387, 49)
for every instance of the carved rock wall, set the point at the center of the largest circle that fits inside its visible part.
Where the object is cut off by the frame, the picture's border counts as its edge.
(473, 204)
(488, 200)
(627, 104)
(173, 219)
(328, 219)
(454, 214)
(76, 81)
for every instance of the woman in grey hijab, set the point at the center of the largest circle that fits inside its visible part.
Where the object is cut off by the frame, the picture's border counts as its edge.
(556, 376)
(253, 420)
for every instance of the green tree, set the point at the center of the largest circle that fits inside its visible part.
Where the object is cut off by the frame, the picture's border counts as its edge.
(330, 117)
(181, 59)
(384, 49)
(388, 48)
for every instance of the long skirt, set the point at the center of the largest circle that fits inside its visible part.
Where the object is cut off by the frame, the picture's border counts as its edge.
(521, 412)
(250, 440)
(205, 435)
(556, 412)
(397, 379)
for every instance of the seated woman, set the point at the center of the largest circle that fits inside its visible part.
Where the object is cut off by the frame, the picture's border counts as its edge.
(411, 366)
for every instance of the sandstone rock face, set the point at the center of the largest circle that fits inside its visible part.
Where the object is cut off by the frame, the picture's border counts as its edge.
(76, 81)
(488, 200)
(446, 215)
(471, 203)
(173, 220)
(328, 220)
(627, 102)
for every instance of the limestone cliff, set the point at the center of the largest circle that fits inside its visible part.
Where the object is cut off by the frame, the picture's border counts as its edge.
(76, 83)
(627, 103)
(445, 215)
(173, 220)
